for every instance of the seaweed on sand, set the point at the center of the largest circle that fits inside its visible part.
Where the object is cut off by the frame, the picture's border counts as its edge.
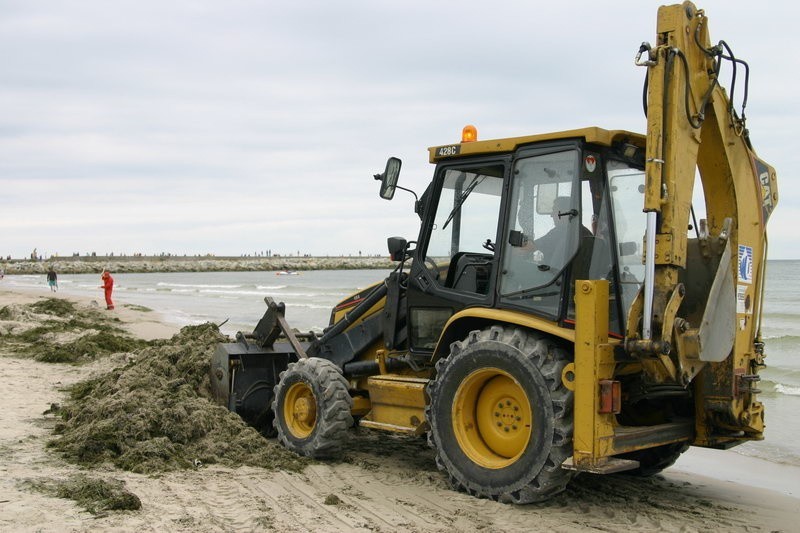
(156, 414)
(94, 495)
(54, 306)
(54, 330)
(86, 347)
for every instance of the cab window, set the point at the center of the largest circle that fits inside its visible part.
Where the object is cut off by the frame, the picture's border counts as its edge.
(542, 234)
(460, 248)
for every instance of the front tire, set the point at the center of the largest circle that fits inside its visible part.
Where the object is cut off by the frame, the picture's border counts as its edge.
(500, 417)
(312, 408)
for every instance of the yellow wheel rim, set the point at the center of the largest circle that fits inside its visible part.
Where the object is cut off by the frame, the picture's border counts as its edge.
(300, 410)
(492, 418)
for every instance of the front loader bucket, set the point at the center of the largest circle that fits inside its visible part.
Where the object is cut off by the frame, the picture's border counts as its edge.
(220, 374)
(243, 376)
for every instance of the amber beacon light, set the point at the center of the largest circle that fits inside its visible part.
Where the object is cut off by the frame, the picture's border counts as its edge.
(469, 134)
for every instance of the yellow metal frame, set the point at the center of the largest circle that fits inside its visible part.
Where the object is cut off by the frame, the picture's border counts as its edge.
(598, 436)
(397, 404)
(453, 331)
(593, 436)
(592, 135)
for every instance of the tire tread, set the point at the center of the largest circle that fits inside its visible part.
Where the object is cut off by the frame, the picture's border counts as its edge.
(334, 406)
(550, 358)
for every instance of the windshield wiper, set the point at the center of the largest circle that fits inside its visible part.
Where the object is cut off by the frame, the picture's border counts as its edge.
(461, 200)
(524, 293)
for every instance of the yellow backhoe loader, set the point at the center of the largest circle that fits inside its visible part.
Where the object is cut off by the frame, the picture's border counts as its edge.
(561, 309)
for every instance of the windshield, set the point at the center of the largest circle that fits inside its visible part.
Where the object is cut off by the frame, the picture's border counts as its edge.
(467, 212)
(476, 180)
(627, 197)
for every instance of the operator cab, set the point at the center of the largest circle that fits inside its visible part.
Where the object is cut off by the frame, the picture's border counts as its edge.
(511, 224)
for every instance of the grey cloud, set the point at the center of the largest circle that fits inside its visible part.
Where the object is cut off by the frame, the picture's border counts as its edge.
(212, 126)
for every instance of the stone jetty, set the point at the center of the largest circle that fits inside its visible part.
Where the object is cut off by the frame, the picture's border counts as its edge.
(89, 265)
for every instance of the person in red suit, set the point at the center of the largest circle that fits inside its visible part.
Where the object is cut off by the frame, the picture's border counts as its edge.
(108, 286)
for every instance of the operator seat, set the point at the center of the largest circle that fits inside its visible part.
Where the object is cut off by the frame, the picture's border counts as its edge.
(582, 262)
(469, 272)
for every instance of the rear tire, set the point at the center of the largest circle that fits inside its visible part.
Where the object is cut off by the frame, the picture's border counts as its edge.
(500, 417)
(654, 460)
(312, 408)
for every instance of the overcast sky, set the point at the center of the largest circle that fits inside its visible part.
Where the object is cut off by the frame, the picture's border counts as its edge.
(234, 127)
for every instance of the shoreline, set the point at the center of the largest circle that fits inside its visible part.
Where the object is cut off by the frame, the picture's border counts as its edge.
(705, 490)
(145, 264)
(147, 325)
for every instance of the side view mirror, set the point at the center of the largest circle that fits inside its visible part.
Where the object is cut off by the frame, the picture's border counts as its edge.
(397, 247)
(389, 178)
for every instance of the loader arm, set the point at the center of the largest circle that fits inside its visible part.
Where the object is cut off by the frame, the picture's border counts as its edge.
(691, 126)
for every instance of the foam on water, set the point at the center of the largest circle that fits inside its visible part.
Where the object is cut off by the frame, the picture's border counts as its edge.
(788, 390)
(198, 286)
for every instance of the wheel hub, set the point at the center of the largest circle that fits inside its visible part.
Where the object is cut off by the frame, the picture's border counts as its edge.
(300, 410)
(492, 418)
(304, 411)
(507, 415)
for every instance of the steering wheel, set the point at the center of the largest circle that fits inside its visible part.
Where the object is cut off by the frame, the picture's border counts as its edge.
(433, 267)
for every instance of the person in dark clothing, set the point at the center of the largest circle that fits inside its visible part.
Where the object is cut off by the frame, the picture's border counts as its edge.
(52, 279)
(553, 244)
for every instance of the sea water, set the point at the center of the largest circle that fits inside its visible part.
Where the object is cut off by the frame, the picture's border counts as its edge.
(780, 381)
(236, 300)
(233, 299)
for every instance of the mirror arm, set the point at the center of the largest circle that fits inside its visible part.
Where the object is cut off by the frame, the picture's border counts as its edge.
(416, 198)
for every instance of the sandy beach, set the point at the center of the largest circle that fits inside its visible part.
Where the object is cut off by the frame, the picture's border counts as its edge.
(381, 484)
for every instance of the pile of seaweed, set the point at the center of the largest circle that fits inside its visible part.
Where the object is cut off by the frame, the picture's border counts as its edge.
(54, 330)
(94, 495)
(157, 414)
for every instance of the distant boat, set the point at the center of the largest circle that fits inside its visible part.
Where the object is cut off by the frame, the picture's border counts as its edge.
(287, 273)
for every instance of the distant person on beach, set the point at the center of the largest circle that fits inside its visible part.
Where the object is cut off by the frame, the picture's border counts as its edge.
(108, 286)
(52, 279)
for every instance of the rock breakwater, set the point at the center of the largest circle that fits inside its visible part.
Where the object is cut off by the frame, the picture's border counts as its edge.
(89, 265)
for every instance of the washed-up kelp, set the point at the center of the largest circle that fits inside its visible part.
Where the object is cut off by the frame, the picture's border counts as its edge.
(55, 330)
(93, 494)
(156, 414)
